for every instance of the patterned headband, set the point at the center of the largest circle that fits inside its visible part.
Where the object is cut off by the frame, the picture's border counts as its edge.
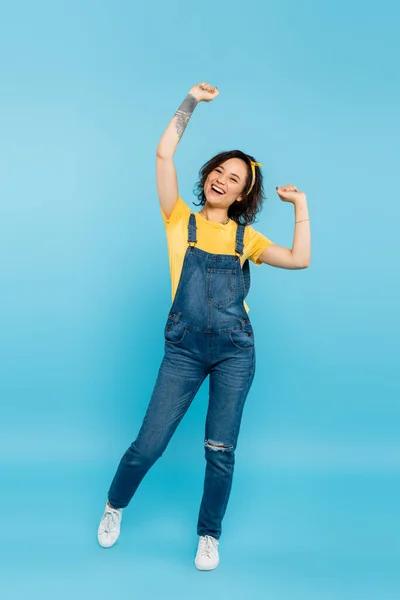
(253, 173)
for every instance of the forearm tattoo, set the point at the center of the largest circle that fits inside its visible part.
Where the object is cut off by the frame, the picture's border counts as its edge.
(184, 113)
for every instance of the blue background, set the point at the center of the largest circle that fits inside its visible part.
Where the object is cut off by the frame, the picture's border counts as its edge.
(310, 89)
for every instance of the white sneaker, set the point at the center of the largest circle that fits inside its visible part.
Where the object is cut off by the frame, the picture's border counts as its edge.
(207, 557)
(110, 525)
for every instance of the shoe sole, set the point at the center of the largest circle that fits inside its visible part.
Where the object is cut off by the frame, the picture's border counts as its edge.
(104, 546)
(206, 568)
(108, 545)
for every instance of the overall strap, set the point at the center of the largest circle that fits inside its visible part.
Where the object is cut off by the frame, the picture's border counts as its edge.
(239, 250)
(192, 230)
(239, 239)
(246, 276)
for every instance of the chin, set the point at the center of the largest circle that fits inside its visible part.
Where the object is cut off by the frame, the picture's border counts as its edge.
(213, 200)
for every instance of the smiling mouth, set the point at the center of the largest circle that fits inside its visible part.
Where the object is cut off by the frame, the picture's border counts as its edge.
(217, 190)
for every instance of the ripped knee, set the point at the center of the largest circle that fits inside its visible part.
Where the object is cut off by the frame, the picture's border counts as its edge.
(217, 446)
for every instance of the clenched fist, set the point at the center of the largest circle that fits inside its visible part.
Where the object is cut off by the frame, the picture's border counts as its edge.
(203, 92)
(290, 193)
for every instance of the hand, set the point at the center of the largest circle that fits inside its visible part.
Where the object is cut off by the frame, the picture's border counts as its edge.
(290, 193)
(203, 92)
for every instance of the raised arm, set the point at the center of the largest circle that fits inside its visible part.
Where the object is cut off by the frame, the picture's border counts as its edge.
(167, 182)
(297, 257)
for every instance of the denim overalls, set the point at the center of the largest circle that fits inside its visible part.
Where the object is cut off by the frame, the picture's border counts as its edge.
(207, 332)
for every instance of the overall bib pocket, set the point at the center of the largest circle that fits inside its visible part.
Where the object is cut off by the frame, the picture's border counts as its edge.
(221, 287)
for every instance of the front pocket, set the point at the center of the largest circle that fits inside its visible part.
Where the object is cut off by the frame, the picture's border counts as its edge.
(242, 338)
(175, 330)
(221, 286)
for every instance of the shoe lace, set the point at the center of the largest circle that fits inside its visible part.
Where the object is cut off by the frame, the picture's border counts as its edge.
(207, 546)
(110, 520)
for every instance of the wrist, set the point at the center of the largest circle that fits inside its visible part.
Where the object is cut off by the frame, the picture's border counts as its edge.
(193, 95)
(301, 210)
(300, 202)
(189, 103)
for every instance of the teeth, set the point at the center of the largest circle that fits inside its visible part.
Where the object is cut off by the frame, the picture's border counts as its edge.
(214, 187)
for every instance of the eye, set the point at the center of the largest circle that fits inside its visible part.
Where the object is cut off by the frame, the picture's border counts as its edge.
(234, 180)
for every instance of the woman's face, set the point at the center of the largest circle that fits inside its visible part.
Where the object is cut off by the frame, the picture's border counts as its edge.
(225, 184)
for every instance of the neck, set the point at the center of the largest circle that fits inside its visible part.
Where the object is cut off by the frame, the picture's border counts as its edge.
(216, 215)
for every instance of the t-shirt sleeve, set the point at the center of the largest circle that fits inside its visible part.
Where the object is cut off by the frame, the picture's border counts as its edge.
(179, 212)
(254, 244)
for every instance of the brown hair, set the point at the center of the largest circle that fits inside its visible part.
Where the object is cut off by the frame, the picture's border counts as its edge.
(246, 210)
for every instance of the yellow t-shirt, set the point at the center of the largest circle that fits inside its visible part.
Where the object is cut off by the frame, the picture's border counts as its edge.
(211, 237)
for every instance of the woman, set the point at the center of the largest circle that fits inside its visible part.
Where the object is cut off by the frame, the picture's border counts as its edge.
(207, 331)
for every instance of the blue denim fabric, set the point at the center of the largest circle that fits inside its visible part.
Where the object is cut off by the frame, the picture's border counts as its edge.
(207, 332)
